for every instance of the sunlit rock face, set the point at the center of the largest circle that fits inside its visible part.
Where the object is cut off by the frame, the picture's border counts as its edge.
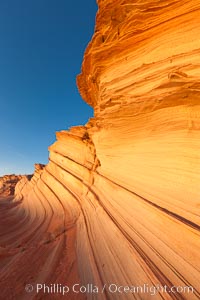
(118, 201)
(8, 183)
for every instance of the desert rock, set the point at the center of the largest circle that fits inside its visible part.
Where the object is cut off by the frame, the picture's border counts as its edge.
(118, 201)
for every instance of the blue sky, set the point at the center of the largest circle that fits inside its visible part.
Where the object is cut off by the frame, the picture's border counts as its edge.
(42, 43)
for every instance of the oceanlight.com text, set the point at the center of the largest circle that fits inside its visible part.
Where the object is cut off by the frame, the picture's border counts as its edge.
(112, 288)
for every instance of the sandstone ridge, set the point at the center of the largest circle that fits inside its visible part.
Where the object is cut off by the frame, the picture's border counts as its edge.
(118, 201)
(8, 183)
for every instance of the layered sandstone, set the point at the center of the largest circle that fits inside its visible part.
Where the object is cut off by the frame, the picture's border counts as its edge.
(118, 201)
(8, 183)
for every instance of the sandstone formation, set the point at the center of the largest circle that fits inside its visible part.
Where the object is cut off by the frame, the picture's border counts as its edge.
(118, 201)
(8, 183)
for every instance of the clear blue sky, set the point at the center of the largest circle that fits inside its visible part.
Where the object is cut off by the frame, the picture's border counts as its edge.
(42, 43)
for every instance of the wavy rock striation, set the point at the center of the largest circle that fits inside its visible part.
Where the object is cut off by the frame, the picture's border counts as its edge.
(118, 201)
(8, 183)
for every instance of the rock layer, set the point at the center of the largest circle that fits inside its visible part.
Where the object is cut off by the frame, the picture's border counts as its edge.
(118, 201)
(8, 183)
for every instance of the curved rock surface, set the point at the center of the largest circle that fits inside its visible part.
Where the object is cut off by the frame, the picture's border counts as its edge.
(8, 183)
(118, 201)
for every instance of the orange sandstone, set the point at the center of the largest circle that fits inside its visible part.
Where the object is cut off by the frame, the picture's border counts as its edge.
(118, 201)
